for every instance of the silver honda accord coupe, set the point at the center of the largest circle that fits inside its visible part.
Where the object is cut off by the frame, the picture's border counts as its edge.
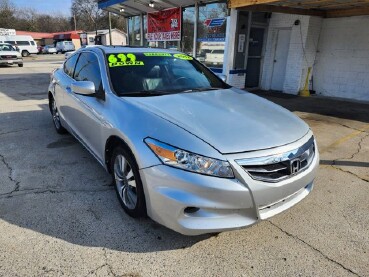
(182, 146)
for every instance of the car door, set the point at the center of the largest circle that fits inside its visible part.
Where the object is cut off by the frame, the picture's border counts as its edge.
(62, 82)
(87, 111)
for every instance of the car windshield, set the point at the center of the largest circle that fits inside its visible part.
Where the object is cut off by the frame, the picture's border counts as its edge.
(152, 73)
(6, 47)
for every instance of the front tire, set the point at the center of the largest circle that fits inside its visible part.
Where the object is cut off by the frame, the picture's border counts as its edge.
(25, 53)
(56, 117)
(127, 182)
(20, 65)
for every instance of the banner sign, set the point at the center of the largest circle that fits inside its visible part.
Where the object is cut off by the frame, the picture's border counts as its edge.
(164, 25)
(7, 32)
(214, 29)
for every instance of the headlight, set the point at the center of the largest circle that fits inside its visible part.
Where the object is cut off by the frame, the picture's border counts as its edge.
(185, 160)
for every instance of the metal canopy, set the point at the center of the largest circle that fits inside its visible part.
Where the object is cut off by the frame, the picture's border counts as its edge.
(129, 8)
(324, 8)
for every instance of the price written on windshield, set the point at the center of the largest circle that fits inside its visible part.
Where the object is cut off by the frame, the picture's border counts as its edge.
(123, 60)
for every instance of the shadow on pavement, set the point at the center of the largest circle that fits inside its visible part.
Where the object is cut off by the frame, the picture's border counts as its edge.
(344, 163)
(32, 85)
(59, 190)
(319, 105)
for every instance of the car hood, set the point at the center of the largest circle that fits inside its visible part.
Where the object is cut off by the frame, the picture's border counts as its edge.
(9, 53)
(230, 120)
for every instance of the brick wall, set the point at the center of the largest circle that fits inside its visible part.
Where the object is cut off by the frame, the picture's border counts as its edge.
(301, 53)
(342, 67)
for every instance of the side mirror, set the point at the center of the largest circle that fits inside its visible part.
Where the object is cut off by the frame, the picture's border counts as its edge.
(86, 88)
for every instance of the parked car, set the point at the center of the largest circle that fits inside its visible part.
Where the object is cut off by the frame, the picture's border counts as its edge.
(49, 49)
(26, 44)
(64, 46)
(215, 57)
(9, 55)
(40, 49)
(182, 146)
(68, 54)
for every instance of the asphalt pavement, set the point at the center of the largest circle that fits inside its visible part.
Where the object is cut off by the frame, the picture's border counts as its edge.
(59, 215)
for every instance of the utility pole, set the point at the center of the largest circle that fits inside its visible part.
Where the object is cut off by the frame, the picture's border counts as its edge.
(110, 37)
(75, 22)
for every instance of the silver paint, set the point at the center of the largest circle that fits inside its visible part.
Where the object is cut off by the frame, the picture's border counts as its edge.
(227, 125)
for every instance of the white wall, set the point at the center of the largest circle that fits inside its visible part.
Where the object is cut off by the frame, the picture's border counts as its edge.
(342, 67)
(301, 53)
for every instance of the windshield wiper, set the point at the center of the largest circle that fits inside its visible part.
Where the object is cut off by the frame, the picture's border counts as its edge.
(144, 93)
(201, 89)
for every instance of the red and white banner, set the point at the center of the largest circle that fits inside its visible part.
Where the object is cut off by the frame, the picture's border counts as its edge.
(164, 25)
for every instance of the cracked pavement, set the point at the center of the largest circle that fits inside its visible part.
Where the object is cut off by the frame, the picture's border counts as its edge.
(59, 215)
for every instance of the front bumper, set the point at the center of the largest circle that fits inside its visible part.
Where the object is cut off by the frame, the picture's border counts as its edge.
(194, 204)
(10, 62)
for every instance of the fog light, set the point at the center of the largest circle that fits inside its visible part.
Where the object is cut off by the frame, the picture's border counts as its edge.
(191, 210)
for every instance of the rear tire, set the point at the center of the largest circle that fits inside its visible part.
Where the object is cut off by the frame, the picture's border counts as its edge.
(20, 65)
(56, 117)
(127, 182)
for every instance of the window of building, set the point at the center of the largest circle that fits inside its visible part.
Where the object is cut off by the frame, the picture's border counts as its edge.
(212, 23)
(135, 30)
(188, 29)
(212, 34)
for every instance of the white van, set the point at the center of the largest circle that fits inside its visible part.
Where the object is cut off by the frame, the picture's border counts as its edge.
(64, 46)
(26, 44)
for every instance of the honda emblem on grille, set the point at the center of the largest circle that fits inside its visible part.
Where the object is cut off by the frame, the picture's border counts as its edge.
(295, 166)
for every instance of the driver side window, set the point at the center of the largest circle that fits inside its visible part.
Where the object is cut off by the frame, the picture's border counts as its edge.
(69, 65)
(87, 69)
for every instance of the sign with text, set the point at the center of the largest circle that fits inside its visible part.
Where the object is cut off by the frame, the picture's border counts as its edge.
(213, 29)
(164, 25)
(7, 32)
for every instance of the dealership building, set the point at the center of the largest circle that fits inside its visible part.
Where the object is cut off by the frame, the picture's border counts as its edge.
(291, 46)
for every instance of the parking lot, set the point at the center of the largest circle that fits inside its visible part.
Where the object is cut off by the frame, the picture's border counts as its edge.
(59, 215)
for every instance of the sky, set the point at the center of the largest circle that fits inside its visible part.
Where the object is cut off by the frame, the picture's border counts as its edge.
(46, 6)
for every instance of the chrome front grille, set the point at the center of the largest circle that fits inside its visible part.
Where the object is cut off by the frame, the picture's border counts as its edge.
(276, 168)
(8, 57)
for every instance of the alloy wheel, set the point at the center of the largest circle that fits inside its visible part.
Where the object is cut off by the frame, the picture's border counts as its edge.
(125, 182)
(56, 117)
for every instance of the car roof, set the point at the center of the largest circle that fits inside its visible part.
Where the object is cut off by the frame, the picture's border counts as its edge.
(114, 49)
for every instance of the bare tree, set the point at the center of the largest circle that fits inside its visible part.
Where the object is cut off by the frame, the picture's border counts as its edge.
(87, 14)
(7, 11)
(89, 17)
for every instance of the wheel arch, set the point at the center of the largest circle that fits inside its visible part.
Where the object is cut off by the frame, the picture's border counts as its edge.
(110, 144)
(50, 97)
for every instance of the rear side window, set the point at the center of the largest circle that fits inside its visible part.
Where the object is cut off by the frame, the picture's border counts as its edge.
(70, 64)
(23, 43)
(87, 69)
